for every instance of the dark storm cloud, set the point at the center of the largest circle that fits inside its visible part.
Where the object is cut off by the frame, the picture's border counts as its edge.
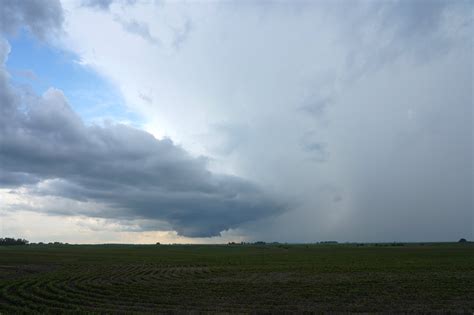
(42, 138)
(40, 17)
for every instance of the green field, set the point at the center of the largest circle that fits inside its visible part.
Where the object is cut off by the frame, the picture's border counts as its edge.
(236, 278)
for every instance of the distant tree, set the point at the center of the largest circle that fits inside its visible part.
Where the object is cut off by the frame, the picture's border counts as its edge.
(462, 240)
(158, 243)
(396, 244)
(8, 241)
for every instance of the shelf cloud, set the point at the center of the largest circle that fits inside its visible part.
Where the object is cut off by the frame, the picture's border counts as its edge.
(47, 149)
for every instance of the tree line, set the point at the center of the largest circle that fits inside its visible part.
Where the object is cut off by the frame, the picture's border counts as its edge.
(8, 241)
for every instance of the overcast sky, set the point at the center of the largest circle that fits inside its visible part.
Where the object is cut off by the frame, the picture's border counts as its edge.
(291, 121)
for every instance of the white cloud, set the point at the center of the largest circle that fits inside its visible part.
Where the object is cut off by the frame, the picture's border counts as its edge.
(317, 104)
(348, 109)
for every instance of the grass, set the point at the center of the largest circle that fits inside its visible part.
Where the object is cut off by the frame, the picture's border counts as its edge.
(237, 278)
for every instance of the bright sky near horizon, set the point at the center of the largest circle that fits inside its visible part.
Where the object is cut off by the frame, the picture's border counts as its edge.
(207, 121)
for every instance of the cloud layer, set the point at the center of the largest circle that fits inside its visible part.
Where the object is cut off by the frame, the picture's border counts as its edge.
(361, 111)
(43, 19)
(46, 149)
(348, 107)
(43, 142)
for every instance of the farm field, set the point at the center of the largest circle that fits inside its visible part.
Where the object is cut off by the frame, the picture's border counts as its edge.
(237, 278)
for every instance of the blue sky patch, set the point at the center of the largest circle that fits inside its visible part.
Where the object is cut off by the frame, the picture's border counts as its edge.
(33, 63)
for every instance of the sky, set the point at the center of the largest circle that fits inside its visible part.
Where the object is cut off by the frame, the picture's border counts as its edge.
(128, 121)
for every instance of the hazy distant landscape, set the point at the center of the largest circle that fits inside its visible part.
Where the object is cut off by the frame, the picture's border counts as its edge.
(237, 278)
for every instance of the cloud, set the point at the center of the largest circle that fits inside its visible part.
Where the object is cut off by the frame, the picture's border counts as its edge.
(361, 111)
(140, 29)
(354, 102)
(42, 18)
(381, 33)
(46, 148)
(101, 4)
(104, 4)
(26, 74)
(182, 33)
